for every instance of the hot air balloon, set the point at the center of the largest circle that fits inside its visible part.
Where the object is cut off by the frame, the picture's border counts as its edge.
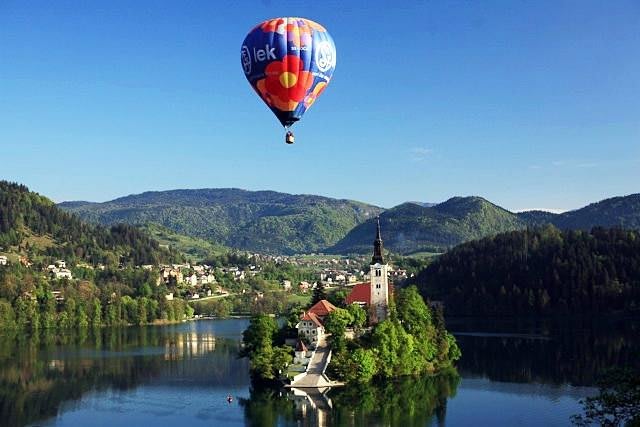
(288, 62)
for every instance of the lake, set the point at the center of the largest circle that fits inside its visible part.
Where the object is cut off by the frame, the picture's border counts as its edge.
(511, 373)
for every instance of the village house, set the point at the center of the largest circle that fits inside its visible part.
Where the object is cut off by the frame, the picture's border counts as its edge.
(374, 295)
(302, 354)
(311, 325)
(3, 260)
(59, 273)
(168, 272)
(304, 286)
(192, 280)
(286, 285)
(63, 273)
(207, 278)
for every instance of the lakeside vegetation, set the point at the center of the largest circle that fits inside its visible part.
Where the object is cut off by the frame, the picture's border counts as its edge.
(538, 272)
(101, 298)
(108, 289)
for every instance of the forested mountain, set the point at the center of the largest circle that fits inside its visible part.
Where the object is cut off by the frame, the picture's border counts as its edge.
(33, 226)
(263, 221)
(535, 218)
(410, 228)
(621, 212)
(539, 271)
(267, 221)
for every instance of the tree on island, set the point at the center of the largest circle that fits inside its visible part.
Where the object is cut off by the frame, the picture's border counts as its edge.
(409, 342)
(266, 361)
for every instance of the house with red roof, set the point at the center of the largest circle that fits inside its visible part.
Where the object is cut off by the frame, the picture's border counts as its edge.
(322, 308)
(302, 354)
(311, 324)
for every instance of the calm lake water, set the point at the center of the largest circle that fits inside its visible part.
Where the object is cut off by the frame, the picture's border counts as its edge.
(510, 374)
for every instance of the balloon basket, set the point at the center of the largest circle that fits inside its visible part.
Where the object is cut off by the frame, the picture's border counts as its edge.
(289, 138)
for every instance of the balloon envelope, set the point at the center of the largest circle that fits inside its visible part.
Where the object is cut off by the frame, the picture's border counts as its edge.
(288, 62)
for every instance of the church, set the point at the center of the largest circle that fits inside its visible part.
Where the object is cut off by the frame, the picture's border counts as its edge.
(374, 296)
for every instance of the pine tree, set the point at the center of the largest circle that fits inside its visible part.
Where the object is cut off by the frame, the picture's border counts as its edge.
(319, 293)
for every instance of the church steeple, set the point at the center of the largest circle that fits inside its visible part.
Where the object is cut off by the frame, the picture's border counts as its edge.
(377, 247)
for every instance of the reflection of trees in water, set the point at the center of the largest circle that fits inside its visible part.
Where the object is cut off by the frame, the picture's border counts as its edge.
(268, 407)
(406, 402)
(38, 374)
(573, 354)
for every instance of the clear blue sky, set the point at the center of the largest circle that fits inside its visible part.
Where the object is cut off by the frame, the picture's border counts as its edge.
(531, 104)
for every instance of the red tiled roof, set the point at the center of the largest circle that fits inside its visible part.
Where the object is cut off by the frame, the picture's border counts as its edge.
(322, 308)
(312, 317)
(360, 293)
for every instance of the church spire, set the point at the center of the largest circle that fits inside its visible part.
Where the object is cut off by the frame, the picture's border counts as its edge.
(377, 247)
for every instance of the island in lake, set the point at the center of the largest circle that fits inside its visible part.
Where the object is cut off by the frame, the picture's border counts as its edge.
(381, 332)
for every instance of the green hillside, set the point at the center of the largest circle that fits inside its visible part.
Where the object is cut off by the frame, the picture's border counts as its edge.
(538, 271)
(262, 221)
(33, 226)
(271, 222)
(194, 248)
(411, 228)
(623, 212)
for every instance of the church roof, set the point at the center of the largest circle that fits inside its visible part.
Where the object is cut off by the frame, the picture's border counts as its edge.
(361, 293)
(322, 308)
(377, 246)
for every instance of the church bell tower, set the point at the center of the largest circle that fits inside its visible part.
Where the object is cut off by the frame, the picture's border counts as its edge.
(379, 281)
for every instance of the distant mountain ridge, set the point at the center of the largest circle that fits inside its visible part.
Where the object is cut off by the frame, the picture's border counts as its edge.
(262, 221)
(411, 228)
(268, 221)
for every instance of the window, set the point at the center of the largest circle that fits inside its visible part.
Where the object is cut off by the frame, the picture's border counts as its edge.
(378, 273)
(378, 286)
